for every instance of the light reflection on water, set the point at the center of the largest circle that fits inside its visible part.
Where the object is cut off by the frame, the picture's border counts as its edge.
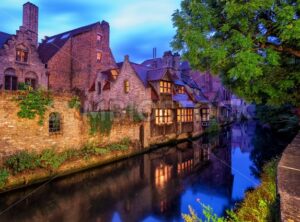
(157, 186)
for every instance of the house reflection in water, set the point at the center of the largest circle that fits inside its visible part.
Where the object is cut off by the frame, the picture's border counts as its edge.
(148, 186)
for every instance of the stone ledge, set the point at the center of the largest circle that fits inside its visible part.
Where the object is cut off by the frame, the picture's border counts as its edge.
(288, 182)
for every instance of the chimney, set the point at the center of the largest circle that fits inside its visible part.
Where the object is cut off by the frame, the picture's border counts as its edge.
(106, 33)
(30, 20)
(154, 53)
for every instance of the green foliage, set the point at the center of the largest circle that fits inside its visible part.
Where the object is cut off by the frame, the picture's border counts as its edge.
(100, 122)
(4, 174)
(281, 119)
(50, 159)
(253, 45)
(259, 205)
(23, 86)
(23, 161)
(133, 113)
(213, 127)
(74, 103)
(34, 103)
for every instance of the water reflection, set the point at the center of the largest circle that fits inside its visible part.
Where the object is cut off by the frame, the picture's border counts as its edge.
(158, 186)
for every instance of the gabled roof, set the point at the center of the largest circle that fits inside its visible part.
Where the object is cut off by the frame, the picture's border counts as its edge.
(142, 72)
(156, 74)
(49, 47)
(4, 37)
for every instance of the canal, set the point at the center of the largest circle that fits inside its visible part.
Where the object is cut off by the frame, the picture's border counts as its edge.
(157, 186)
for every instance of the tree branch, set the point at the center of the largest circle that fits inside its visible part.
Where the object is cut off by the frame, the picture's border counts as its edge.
(280, 48)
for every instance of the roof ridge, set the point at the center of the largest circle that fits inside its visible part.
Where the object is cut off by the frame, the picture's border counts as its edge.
(85, 26)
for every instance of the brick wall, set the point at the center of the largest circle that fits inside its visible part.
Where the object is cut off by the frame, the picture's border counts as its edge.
(24, 134)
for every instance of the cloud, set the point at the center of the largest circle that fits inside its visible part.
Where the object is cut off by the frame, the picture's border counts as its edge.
(136, 26)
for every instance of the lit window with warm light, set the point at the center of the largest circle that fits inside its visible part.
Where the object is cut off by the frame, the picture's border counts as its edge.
(22, 55)
(99, 56)
(163, 116)
(180, 90)
(126, 86)
(114, 73)
(165, 87)
(205, 115)
(185, 115)
(99, 39)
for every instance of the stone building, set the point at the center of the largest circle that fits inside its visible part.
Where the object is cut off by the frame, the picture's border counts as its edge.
(212, 88)
(76, 58)
(19, 58)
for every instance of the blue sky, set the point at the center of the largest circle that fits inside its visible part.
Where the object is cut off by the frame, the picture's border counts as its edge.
(136, 25)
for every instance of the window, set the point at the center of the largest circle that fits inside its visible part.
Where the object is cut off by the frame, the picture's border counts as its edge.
(99, 88)
(165, 87)
(205, 115)
(114, 73)
(126, 86)
(163, 116)
(11, 83)
(54, 123)
(180, 90)
(185, 115)
(30, 82)
(99, 56)
(65, 36)
(99, 38)
(21, 55)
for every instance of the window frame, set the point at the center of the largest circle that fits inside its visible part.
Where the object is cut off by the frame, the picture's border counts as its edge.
(22, 55)
(165, 87)
(12, 79)
(163, 116)
(204, 115)
(52, 128)
(98, 59)
(185, 115)
(126, 86)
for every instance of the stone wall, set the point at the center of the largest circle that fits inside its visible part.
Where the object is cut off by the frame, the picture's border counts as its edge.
(23, 134)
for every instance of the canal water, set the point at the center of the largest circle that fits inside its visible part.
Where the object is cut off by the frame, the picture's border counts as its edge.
(157, 186)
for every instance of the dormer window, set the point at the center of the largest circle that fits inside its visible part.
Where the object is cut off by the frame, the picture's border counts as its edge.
(99, 56)
(22, 55)
(165, 87)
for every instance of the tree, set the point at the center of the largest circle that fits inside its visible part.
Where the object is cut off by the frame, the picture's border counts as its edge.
(254, 45)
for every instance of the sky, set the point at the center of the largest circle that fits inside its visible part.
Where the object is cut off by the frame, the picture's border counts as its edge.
(136, 26)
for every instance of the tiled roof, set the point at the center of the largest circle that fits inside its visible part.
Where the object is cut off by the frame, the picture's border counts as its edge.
(4, 37)
(142, 72)
(49, 47)
(156, 74)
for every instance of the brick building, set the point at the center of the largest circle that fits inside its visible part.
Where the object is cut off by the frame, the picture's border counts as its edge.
(76, 58)
(19, 58)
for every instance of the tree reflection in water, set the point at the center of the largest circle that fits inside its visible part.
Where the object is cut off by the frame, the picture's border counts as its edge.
(157, 186)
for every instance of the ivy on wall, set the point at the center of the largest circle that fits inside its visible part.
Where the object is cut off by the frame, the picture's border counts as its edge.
(33, 103)
(100, 122)
(74, 103)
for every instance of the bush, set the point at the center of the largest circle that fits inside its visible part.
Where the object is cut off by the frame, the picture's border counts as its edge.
(259, 205)
(117, 147)
(213, 126)
(23, 161)
(4, 174)
(49, 159)
(101, 151)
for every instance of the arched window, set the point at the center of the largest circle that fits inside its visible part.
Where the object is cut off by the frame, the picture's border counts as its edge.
(21, 54)
(31, 79)
(10, 80)
(54, 123)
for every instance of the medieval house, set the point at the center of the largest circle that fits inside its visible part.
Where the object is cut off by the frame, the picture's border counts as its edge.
(19, 58)
(76, 58)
